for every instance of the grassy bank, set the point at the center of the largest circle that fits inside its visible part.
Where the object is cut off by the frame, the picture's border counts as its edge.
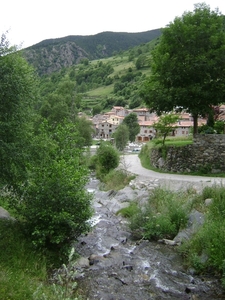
(24, 270)
(167, 212)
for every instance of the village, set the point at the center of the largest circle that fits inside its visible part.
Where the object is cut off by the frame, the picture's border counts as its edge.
(106, 124)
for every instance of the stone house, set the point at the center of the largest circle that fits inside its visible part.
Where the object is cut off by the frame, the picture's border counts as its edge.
(147, 132)
(105, 129)
(120, 111)
(105, 125)
(143, 114)
(116, 120)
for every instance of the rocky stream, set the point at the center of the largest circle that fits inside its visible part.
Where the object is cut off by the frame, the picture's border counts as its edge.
(114, 266)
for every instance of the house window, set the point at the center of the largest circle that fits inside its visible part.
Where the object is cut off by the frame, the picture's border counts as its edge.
(110, 125)
(145, 131)
(182, 131)
(150, 131)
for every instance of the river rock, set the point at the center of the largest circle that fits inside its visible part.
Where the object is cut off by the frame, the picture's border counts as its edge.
(121, 268)
(208, 201)
(4, 214)
(195, 221)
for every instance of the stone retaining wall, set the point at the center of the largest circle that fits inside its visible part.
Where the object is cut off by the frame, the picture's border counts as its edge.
(207, 153)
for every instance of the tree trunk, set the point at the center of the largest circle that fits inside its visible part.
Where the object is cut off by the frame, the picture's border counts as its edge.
(195, 121)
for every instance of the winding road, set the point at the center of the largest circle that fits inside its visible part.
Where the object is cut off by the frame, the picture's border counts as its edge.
(133, 165)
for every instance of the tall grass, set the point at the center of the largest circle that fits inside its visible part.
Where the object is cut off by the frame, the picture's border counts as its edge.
(162, 216)
(208, 243)
(167, 212)
(116, 180)
(24, 271)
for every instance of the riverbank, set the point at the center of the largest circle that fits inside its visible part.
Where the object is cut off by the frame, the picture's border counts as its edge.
(114, 266)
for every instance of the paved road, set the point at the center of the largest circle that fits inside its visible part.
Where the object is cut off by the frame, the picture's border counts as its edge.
(133, 165)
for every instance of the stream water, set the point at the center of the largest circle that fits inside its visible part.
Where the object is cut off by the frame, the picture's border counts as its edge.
(113, 266)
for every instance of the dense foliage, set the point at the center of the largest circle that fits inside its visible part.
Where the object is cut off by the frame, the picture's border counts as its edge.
(162, 216)
(166, 124)
(121, 136)
(105, 159)
(55, 205)
(52, 55)
(209, 240)
(131, 121)
(17, 95)
(188, 64)
(42, 163)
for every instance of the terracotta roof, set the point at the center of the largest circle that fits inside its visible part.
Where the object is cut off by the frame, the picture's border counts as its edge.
(146, 123)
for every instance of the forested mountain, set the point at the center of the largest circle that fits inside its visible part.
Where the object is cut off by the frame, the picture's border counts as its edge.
(94, 86)
(53, 54)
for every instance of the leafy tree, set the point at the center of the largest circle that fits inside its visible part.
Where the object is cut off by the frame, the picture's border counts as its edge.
(142, 61)
(205, 129)
(107, 158)
(210, 118)
(85, 130)
(188, 64)
(96, 109)
(55, 204)
(121, 136)
(166, 124)
(132, 123)
(135, 102)
(60, 104)
(219, 126)
(17, 94)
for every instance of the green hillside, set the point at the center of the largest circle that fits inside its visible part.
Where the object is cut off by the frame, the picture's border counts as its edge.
(103, 83)
(54, 54)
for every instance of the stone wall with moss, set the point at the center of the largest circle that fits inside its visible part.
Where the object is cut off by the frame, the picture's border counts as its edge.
(206, 154)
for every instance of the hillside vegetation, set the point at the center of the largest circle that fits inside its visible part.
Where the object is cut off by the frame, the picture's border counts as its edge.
(54, 54)
(95, 86)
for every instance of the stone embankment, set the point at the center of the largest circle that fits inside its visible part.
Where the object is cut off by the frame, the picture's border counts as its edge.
(207, 153)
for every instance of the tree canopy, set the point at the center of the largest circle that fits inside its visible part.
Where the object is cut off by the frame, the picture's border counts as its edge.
(17, 94)
(166, 124)
(132, 123)
(121, 136)
(188, 64)
(41, 155)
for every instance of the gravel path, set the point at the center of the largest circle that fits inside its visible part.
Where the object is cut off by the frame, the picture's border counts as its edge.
(174, 181)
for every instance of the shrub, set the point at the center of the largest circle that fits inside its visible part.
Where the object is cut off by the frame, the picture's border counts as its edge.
(163, 215)
(107, 159)
(55, 204)
(116, 180)
(209, 240)
(129, 211)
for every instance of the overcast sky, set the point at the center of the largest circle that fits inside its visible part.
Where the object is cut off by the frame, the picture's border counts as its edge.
(31, 21)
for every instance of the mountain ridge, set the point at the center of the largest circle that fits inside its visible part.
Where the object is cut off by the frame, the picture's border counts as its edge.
(51, 55)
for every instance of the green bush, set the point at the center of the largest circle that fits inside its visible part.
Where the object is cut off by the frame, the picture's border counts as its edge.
(106, 159)
(24, 269)
(55, 205)
(129, 211)
(163, 215)
(116, 180)
(208, 242)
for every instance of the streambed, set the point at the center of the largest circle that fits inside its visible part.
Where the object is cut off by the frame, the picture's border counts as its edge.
(114, 266)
